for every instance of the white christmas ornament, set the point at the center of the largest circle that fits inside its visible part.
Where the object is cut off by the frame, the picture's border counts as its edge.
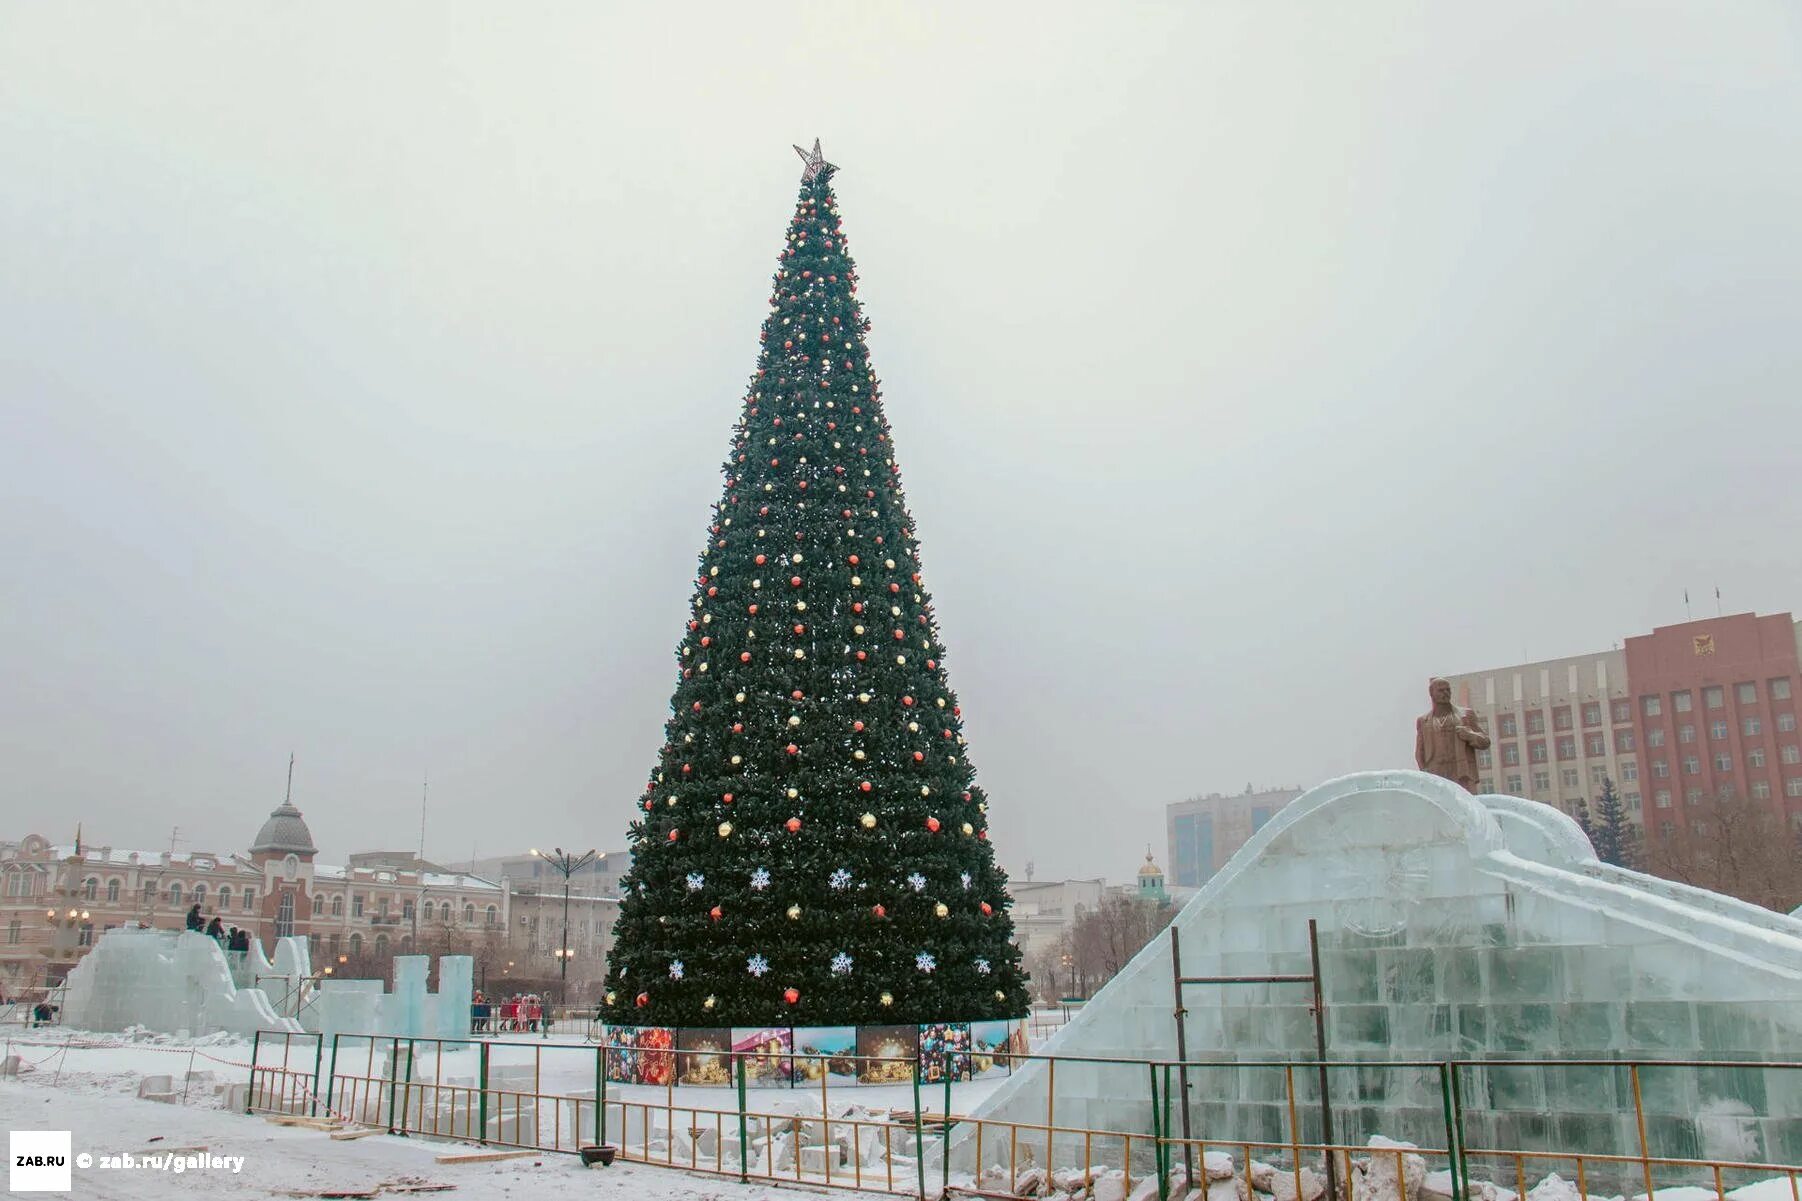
(925, 962)
(841, 964)
(675, 969)
(982, 967)
(917, 882)
(840, 879)
(757, 965)
(760, 880)
(695, 881)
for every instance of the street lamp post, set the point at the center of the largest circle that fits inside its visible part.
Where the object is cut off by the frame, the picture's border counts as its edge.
(565, 864)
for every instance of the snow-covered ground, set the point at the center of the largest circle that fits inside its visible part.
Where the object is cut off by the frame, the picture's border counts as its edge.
(277, 1158)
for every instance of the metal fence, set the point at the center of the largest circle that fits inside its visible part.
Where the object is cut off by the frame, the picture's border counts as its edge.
(910, 1139)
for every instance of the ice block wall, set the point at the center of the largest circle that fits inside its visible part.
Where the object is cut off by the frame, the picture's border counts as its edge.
(1451, 926)
(168, 981)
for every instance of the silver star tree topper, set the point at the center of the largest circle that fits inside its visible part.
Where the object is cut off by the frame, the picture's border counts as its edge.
(816, 162)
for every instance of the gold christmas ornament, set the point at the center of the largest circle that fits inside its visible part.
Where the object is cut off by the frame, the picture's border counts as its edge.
(868, 820)
(969, 829)
(793, 793)
(725, 829)
(611, 997)
(740, 698)
(710, 1002)
(794, 913)
(941, 909)
(887, 998)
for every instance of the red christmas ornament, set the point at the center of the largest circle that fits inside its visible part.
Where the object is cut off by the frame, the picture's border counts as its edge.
(858, 726)
(799, 628)
(713, 592)
(794, 581)
(674, 834)
(932, 823)
(865, 786)
(987, 909)
(857, 606)
(919, 756)
(759, 560)
(648, 805)
(861, 656)
(932, 665)
(878, 910)
(791, 995)
(697, 706)
(852, 560)
(796, 694)
(686, 768)
(738, 727)
(899, 635)
(716, 913)
(644, 998)
(727, 798)
(908, 701)
(793, 824)
(708, 641)
(753, 610)
(744, 657)
(793, 749)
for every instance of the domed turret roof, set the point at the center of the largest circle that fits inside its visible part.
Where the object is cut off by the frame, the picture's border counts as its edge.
(1149, 868)
(285, 832)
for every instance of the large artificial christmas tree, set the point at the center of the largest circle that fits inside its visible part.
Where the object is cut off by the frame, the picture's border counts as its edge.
(812, 847)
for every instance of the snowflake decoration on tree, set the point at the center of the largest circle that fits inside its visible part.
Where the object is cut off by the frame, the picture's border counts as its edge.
(925, 962)
(840, 879)
(982, 967)
(760, 879)
(917, 882)
(675, 969)
(965, 877)
(841, 964)
(757, 965)
(695, 881)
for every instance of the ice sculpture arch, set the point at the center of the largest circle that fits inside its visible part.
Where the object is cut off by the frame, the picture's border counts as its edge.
(170, 981)
(1452, 926)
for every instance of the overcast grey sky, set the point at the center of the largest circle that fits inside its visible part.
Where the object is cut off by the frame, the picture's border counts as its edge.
(365, 373)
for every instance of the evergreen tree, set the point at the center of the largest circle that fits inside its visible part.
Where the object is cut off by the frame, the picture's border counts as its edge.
(1611, 833)
(813, 848)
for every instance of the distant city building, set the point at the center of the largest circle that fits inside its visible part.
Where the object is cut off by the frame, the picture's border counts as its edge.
(1203, 832)
(1681, 717)
(56, 900)
(1151, 882)
(527, 872)
(1044, 909)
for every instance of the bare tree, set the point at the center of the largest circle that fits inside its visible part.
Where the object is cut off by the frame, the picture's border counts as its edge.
(1736, 847)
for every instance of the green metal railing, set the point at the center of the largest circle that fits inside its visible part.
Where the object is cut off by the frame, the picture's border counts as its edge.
(509, 1101)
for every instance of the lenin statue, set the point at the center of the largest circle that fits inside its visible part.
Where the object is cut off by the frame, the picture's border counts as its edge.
(1447, 738)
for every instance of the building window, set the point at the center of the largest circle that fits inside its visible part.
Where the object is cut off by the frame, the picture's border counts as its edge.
(1561, 718)
(1633, 802)
(381, 946)
(1536, 722)
(1567, 748)
(1629, 770)
(1790, 754)
(1666, 829)
(1569, 776)
(1511, 755)
(1755, 757)
(356, 942)
(1509, 726)
(318, 905)
(1598, 745)
(175, 892)
(1786, 723)
(1686, 733)
(112, 891)
(356, 905)
(1662, 798)
(86, 937)
(1483, 760)
(1542, 780)
(1598, 772)
(1714, 698)
(1655, 736)
(469, 915)
(1692, 796)
(250, 900)
(1661, 769)
(338, 904)
(1717, 730)
(1536, 752)
(1679, 702)
(1592, 713)
(200, 894)
(1485, 785)
(1514, 785)
(284, 916)
(1751, 727)
(1723, 762)
(90, 887)
(12, 932)
(1793, 786)
(1748, 693)
(1779, 688)
(1692, 766)
(1651, 706)
(225, 897)
(490, 915)
(1623, 711)
(406, 911)
(1761, 790)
